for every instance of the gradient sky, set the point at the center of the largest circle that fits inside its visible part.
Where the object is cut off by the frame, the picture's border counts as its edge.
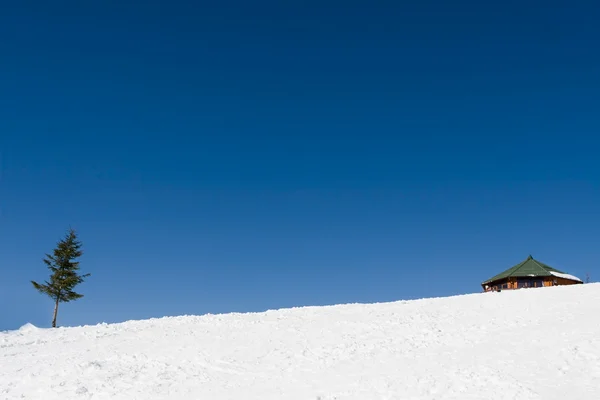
(244, 156)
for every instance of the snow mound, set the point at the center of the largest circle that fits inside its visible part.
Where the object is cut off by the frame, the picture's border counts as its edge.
(28, 328)
(541, 344)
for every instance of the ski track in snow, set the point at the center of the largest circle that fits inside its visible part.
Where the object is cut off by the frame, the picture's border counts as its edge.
(526, 344)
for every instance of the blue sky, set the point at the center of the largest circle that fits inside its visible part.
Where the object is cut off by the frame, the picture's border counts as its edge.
(237, 157)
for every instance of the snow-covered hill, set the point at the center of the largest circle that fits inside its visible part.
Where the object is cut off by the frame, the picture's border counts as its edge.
(528, 344)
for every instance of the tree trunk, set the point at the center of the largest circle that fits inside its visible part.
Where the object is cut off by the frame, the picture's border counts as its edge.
(55, 312)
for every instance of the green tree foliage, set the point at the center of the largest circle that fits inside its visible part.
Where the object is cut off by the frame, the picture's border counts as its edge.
(64, 275)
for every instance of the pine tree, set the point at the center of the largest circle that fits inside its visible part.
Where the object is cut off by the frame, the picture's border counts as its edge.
(64, 276)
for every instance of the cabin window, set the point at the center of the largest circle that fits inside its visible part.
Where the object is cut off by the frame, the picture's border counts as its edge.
(505, 286)
(537, 283)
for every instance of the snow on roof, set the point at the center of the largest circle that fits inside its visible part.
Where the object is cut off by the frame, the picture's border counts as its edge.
(566, 276)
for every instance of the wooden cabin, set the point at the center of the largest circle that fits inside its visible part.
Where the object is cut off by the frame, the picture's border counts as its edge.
(530, 273)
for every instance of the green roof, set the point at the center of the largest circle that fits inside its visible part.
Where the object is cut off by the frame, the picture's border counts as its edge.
(528, 268)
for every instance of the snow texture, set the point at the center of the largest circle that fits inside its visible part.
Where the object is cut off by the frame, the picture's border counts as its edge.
(566, 276)
(521, 344)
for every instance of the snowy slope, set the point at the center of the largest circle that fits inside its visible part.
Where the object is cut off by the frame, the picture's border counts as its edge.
(527, 344)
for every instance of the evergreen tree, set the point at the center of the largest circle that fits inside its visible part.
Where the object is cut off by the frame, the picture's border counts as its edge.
(64, 276)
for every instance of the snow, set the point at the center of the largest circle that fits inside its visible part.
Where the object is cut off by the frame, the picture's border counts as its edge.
(522, 344)
(566, 276)
(27, 328)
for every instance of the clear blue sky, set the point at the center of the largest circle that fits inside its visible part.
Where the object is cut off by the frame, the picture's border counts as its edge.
(243, 156)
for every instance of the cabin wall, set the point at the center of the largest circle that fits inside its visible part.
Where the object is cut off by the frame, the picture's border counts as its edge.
(499, 285)
(559, 281)
(562, 281)
(513, 283)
